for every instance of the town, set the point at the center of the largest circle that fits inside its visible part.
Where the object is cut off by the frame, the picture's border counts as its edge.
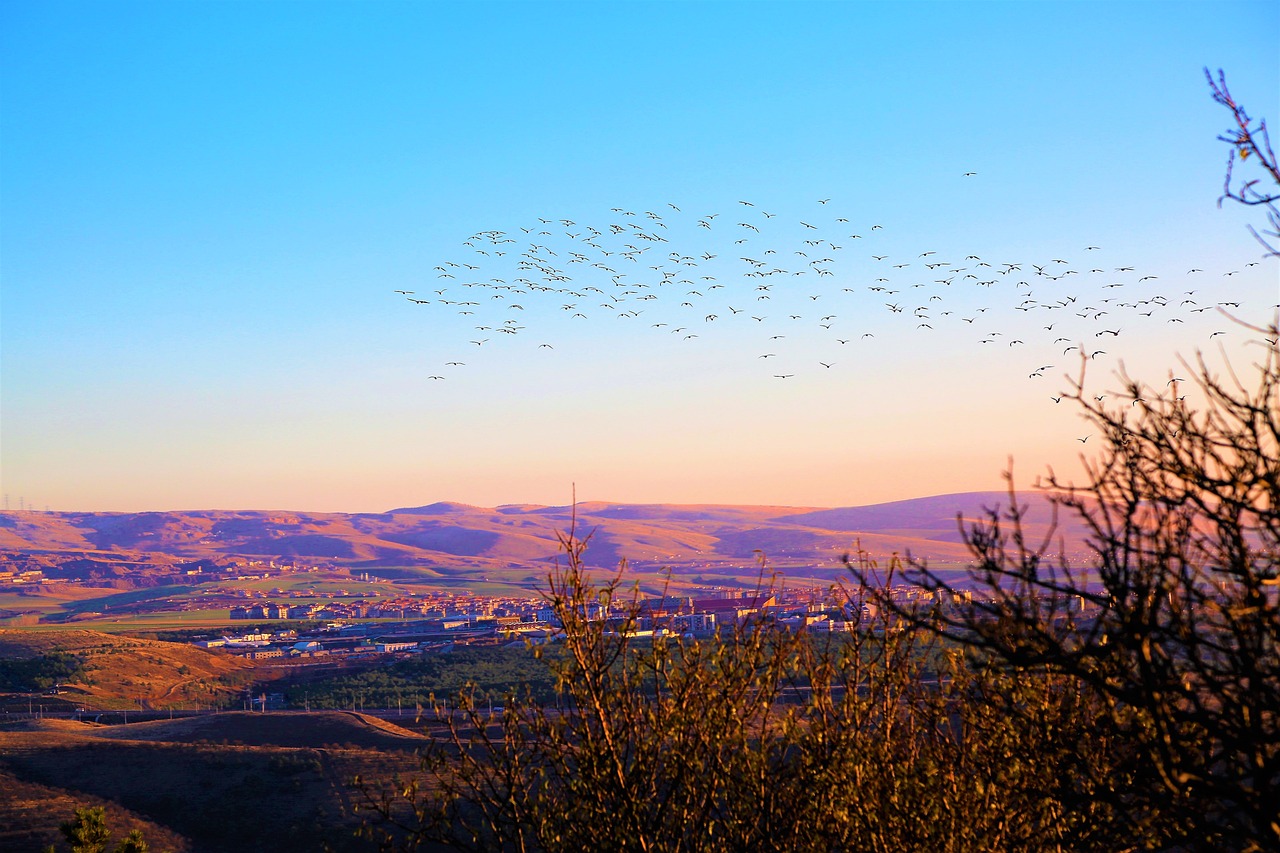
(361, 629)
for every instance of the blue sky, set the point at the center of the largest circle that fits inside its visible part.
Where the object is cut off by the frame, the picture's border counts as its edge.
(206, 208)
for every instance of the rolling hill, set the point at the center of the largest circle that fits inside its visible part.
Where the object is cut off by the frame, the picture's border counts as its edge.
(129, 672)
(449, 536)
(206, 784)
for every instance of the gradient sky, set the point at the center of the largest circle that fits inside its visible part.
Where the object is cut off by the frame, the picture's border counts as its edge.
(206, 208)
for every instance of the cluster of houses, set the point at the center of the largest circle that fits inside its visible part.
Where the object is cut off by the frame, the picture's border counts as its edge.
(460, 611)
(463, 619)
(436, 621)
(21, 577)
(288, 644)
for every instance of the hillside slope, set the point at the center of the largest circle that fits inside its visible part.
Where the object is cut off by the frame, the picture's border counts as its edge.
(126, 672)
(457, 536)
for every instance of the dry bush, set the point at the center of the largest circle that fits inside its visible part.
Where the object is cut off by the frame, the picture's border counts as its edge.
(1177, 644)
(761, 738)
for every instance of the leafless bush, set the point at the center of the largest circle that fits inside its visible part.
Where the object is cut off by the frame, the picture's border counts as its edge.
(1176, 644)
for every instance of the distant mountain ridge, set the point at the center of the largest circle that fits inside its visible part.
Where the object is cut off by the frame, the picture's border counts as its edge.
(449, 535)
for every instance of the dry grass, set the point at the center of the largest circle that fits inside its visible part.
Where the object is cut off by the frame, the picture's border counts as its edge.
(124, 672)
(285, 728)
(30, 814)
(234, 781)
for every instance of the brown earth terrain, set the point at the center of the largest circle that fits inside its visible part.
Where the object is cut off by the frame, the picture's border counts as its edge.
(222, 782)
(127, 672)
(30, 814)
(291, 729)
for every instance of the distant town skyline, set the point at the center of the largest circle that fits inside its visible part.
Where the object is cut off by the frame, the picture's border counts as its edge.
(314, 257)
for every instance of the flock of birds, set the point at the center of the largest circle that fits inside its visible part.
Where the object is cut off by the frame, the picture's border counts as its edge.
(795, 286)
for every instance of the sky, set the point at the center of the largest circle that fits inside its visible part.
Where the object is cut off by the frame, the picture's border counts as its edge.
(207, 210)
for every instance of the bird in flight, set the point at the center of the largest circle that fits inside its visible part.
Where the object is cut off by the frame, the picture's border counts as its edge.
(541, 272)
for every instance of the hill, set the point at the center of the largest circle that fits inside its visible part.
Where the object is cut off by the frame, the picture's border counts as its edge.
(30, 814)
(273, 729)
(126, 672)
(451, 537)
(232, 781)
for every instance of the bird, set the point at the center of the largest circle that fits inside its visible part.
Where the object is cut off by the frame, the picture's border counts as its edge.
(543, 267)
